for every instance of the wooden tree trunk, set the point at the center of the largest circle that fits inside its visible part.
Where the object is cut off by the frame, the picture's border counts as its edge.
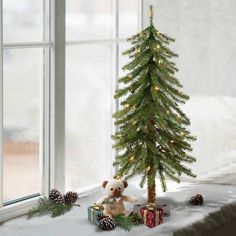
(151, 189)
(150, 180)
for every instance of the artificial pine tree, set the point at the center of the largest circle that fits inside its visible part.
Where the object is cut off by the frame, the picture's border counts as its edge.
(152, 138)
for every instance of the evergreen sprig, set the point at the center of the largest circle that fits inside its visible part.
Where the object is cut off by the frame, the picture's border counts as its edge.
(124, 222)
(127, 222)
(46, 206)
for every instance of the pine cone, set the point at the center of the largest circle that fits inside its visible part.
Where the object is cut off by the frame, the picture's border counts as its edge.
(70, 197)
(100, 216)
(56, 197)
(196, 200)
(106, 222)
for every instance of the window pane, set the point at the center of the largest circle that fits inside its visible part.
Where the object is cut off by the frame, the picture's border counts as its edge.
(88, 19)
(123, 59)
(22, 20)
(128, 17)
(88, 115)
(22, 76)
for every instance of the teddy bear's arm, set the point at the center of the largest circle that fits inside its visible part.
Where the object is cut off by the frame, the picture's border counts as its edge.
(129, 198)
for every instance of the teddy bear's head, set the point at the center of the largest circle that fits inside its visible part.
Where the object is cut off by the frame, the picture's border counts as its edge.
(114, 187)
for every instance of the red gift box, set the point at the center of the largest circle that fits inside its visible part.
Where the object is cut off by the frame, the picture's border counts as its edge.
(151, 216)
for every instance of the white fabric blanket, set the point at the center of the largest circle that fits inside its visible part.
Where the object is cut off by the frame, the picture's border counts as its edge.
(219, 208)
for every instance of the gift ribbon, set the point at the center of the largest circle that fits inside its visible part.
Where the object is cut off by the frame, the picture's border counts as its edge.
(151, 206)
(110, 200)
(98, 207)
(145, 217)
(91, 214)
(157, 218)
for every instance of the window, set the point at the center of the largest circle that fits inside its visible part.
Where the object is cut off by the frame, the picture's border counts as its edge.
(32, 92)
(23, 81)
(95, 31)
(22, 78)
(24, 93)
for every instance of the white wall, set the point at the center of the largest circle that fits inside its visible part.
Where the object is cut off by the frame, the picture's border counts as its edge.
(205, 33)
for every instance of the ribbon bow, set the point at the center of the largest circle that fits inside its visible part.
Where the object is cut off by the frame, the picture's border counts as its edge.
(110, 200)
(98, 206)
(151, 206)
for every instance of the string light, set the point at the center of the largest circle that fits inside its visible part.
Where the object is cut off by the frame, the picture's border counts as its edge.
(134, 122)
(127, 105)
(148, 168)
(138, 50)
(131, 158)
(168, 112)
(117, 177)
(172, 141)
(158, 32)
(182, 133)
(163, 150)
(158, 46)
(160, 61)
(157, 88)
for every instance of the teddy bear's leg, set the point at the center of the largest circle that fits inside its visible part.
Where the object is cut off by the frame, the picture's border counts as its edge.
(108, 212)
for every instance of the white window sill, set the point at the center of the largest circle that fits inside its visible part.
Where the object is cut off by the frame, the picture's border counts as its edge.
(219, 209)
(17, 209)
(22, 207)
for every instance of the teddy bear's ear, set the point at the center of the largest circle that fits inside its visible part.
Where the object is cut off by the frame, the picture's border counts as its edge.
(125, 183)
(104, 183)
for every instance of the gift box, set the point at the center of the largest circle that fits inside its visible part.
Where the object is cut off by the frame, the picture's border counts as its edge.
(137, 207)
(164, 207)
(93, 212)
(152, 216)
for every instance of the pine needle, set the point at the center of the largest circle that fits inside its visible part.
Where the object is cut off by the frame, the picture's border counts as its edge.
(47, 207)
(124, 222)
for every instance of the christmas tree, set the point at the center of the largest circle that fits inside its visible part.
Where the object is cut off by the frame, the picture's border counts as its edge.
(152, 138)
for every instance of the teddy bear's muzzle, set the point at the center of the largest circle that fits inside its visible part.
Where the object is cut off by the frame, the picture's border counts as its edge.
(116, 193)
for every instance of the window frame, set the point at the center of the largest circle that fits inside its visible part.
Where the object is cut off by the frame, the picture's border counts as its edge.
(52, 151)
(52, 128)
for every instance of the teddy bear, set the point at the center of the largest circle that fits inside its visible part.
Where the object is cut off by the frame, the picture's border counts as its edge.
(113, 203)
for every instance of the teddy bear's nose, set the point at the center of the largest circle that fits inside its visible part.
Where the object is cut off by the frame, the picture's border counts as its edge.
(116, 190)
